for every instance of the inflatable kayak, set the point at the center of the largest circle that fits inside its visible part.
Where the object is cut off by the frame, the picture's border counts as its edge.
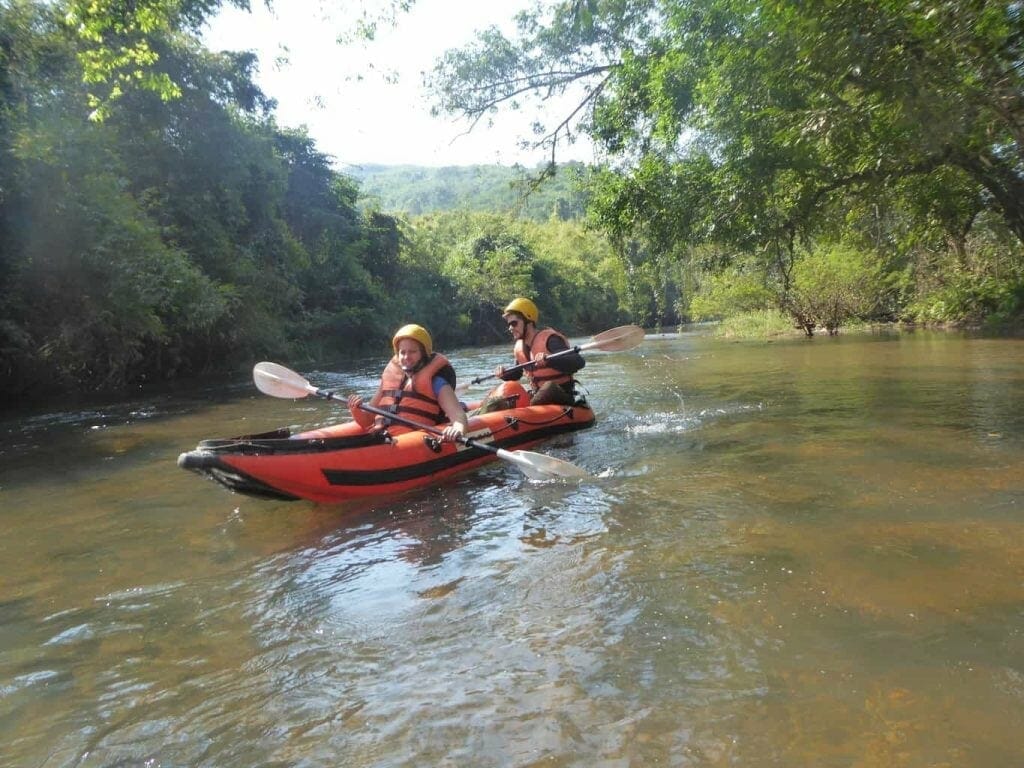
(344, 462)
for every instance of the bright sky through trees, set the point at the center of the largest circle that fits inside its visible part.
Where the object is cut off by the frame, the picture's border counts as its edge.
(365, 102)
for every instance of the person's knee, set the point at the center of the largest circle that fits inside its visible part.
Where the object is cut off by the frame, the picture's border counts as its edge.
(551, 394)
(509, 394)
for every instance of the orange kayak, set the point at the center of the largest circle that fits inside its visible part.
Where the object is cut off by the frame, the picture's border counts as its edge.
(345, 462)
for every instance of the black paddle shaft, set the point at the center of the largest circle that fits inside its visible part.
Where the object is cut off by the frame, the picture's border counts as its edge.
(416, 425)
(529, 363)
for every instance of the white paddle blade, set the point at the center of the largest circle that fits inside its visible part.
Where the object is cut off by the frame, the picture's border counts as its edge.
(277, 381)
(617, 339)
(537, 466)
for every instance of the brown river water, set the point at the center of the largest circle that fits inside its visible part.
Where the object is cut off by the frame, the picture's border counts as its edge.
(798, 553)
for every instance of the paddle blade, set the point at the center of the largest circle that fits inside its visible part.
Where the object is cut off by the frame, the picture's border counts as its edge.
(277, 381)
(617, 339)
(537, 466)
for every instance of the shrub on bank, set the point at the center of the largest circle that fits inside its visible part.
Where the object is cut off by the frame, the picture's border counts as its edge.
(757, 324)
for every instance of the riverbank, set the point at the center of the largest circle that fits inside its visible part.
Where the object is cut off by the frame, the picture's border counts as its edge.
(771, 324)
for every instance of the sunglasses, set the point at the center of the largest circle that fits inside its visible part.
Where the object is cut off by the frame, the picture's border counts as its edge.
(513, 323)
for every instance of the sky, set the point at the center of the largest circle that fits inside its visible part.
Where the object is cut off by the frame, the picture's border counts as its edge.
(313, 78)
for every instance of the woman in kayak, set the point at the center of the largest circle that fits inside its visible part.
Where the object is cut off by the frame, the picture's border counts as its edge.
(417, 383)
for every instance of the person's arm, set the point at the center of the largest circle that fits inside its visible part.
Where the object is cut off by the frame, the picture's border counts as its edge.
(499, 373)
(563, 363)
(362, 418)
(455, 413)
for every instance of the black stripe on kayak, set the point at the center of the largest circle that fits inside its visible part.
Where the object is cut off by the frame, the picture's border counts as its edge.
(357, 477)
(279, 442)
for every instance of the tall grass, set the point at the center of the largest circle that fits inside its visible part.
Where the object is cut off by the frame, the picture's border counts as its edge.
(757, 324)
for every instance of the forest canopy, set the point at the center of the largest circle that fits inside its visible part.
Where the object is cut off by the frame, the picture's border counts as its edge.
(750, 135)
(831, 162)
(416, 190)
(163, 226)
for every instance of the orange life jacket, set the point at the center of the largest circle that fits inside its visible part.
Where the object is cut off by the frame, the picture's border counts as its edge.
(412, 396)
(541, 373)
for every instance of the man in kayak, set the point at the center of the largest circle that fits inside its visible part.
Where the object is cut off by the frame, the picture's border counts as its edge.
(417, 383)
(551, 380)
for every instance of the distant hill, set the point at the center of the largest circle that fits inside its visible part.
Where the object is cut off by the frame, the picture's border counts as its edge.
(416, 190)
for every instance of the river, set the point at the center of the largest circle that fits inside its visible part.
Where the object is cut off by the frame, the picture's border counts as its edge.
(803, 552)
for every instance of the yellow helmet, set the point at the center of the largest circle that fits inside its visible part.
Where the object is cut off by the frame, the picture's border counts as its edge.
(524, 307)
(416, 333)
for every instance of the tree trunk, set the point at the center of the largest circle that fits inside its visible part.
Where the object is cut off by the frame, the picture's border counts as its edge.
(1002, 181)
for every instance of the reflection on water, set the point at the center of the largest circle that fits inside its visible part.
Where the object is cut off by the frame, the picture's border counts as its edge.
(795, 553)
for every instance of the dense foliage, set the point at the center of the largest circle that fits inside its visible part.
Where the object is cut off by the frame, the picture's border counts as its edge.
(852, 159)
(416, 190)
(768, 132)
(148, 234)
(486, 258)
(172, 237)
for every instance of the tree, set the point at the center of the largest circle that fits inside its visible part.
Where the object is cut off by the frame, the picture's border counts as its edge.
(831, 285)
(117, 52)
(733, 291)
(119, 40)
(742, 121)
(174, 236)
(485, 260)
(489, 270)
